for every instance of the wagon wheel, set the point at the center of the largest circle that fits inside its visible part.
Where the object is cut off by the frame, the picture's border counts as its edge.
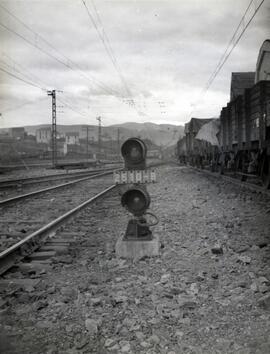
(221, 168)
(242, 167)
(265, 171)
(238, 163)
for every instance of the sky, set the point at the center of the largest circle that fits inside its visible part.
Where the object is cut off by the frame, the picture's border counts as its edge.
(122, 60)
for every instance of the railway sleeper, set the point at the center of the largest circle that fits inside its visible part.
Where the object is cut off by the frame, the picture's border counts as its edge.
(42, 255)
(59, 249)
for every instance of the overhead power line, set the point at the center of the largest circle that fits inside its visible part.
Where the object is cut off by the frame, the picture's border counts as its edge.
(71, 107)
(11, 109)
(25, 74)
(233, 42)
(106, 43)
(230, 42)
(230, 47)
(114, 60)
(33, 45)
(25, 81)
(33, 83)
(69, 64)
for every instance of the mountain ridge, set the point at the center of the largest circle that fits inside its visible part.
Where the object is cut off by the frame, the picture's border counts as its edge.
(160, 134)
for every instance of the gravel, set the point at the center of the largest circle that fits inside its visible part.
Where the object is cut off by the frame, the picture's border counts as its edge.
(188, 300)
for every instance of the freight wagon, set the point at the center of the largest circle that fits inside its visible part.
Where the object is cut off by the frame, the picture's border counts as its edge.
(181, 150)
(245, 133)
(198, 151)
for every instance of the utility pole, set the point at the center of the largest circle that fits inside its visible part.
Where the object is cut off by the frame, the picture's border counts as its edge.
(118, 142)
(99, 134)
(87, 142)
(54, 131)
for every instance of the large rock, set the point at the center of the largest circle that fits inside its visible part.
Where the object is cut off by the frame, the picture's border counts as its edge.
(186, 302)
(92, 326)
(217, 249)
(264, 302)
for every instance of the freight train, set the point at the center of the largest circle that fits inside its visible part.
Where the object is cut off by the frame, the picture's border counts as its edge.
(242, 130)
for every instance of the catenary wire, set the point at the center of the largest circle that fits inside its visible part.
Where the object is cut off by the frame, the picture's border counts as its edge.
(108, 49)
(37, 35)
(110, 91)
(114, 60)
(225, 56)
(25, 81)
(231, 41)
(22, 105)
(67, 65)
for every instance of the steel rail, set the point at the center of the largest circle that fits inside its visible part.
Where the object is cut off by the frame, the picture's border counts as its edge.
(44, 190)
(243, 184)
(40, 191)
(33, 241)
(41, 179)
(8, 183)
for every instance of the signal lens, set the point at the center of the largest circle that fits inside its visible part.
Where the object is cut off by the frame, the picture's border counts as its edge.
(136, 200)
(133, 150)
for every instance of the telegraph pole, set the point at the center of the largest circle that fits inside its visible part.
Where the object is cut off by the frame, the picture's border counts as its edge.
(99, 134)
(87, 142)
(118, 142)
(54, 131)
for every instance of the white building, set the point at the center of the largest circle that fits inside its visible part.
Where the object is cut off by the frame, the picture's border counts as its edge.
(72, 138)
(44, 135)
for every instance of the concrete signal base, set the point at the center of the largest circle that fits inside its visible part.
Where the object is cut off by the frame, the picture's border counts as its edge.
(136, 249)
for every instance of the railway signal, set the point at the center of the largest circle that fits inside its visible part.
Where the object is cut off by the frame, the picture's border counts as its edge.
(134, 153)
(136, 200)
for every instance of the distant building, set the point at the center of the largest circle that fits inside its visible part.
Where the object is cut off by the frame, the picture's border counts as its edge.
(17, 133)
(241, 81)
(4, 133)
(263, 62)
(92, 133)
(61, 147)
(72, 138)
(154, 153)
(44, 135)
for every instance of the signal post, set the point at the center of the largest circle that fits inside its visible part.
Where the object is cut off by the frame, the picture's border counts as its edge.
(138, 240)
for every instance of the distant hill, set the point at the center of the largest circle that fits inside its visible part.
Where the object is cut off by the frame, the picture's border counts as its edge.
(160, 134)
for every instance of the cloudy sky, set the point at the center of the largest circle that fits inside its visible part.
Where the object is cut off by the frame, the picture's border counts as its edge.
(123, 60)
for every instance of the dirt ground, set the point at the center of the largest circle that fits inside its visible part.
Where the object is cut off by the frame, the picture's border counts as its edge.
(208, 292)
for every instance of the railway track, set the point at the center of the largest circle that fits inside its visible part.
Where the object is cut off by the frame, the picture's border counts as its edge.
(242, 184)
(26, 214)
(23, 217)
(53, 188)
(21, 182)
(13, 196)
(29, 244)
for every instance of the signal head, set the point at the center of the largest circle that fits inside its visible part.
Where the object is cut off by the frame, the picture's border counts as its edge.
(134, 151)
(136, 200)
